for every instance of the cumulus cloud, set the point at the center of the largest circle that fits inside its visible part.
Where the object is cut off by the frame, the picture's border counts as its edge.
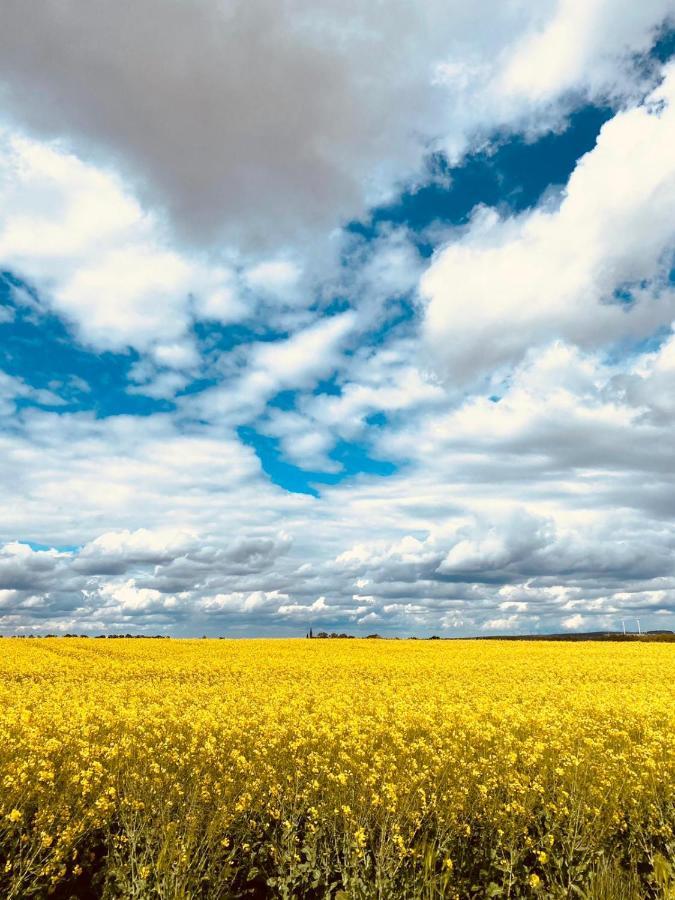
(264, 123)
(577, 46)
(23, 568)
(97, 258)
(574, 623)
(277, 278)
(512, 548)
(540, 577)
(114, 552)
(562, 415)
(287, 153)
(384, 381)
(592, 270)
(295, 362)
(13, 389)
(128, 579)
(505, 623)
(126, 472)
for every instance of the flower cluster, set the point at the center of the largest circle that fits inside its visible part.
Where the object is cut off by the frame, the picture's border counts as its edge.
(311, 768)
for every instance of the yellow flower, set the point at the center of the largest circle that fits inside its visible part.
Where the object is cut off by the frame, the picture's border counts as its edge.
(284, 747)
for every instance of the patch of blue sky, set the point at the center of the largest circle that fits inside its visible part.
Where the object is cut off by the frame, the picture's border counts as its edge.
(353, 458)
(511, 172)
(60, 548)
(627, 295)
(212, 336)
(664, 47)
(196, 386)
(37, 347)
(335, 305)
(624, 296)
(291, 477)
(631, 348)
(285, 400)
(329, 386)
(401, 313)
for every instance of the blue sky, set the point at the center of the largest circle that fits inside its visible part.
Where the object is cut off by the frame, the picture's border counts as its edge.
(393, 359)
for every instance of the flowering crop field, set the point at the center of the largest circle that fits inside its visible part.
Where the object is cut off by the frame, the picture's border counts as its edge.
(338, 768)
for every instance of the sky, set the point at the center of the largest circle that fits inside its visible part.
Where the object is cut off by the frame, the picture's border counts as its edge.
(354, 316)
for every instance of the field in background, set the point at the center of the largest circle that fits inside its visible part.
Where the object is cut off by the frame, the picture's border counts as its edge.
(186, 769)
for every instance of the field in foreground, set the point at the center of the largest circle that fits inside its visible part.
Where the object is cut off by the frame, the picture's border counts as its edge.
(186, 769)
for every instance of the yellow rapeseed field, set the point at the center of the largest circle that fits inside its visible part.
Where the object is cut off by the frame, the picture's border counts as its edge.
(342, 768)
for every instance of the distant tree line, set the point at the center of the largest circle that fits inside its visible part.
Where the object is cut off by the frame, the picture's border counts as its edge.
(325, 634)
(153, 637)
(367, 637)
(660, 636)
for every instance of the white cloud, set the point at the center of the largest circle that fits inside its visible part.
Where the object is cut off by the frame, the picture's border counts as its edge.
(128, 597)
(142, 545)
(576, 48)
(508, 284)
(219, 298)
(307, 354)
(13, 389)
(276, 277)
(381, 380)
(296, 362)
(348, 101)
(317, 610)
(140, 294)
(265, 153)
(505, 623)
(575, 622)
(76, 234)
(240, 602)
